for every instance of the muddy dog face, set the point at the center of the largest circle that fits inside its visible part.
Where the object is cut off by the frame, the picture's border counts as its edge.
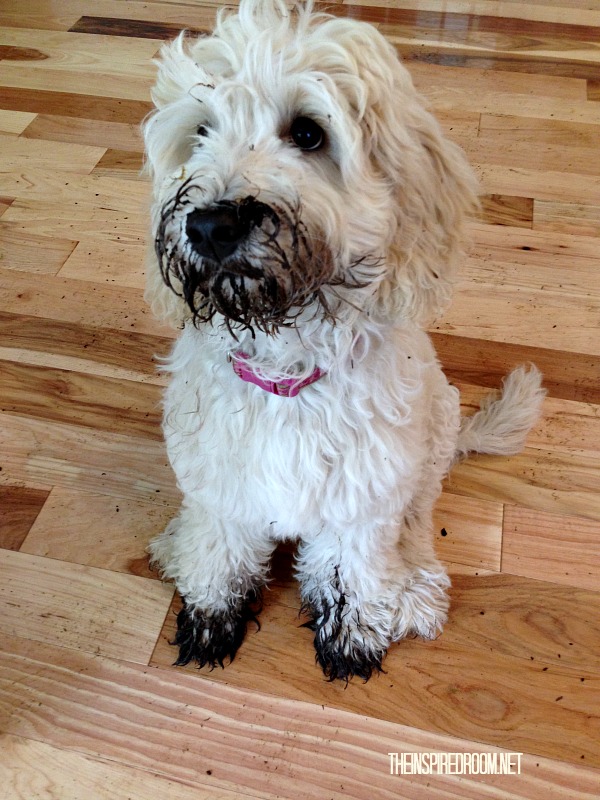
(296, 172)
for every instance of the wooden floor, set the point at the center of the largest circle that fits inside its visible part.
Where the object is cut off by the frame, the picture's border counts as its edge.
(90, 705)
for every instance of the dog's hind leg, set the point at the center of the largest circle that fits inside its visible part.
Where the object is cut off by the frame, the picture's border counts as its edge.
(423, 602)
(219, 571)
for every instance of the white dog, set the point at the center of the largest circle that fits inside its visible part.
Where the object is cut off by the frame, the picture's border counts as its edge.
(307, 223)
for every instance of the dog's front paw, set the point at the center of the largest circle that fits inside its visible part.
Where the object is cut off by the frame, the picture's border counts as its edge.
(344, 646)
(209, 637)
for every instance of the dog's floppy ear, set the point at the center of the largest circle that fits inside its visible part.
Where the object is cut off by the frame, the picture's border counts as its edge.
(435, 188)
(177, 72)
(167, 129)
(165, 148)
(166, 306)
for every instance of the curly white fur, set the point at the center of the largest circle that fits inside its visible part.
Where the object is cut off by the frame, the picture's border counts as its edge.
(352, 466)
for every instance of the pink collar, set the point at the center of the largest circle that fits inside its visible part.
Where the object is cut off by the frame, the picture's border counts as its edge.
(288, 387)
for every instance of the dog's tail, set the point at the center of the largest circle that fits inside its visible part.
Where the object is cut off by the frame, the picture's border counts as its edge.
(502, 423)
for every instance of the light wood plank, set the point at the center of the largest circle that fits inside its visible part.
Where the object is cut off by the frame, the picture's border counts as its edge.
(33, 14)
(32, 770)
(565, 550)
(66, 157)
(561, 483)
(31, 253)
(75, 302)
(71, 219)
(97, 530)
(526, 248)
(14, 122)
(103, 404)
(562, 217)
(442, 688)
(105, 194)
(83, 55)
(525, 131)
(80, 364)
(528, 618)
(461, 127)
(538, 144)
(522, 272)
(549, 185)
(118, 85)
(533, 692)
(550, 280)
(521, 316)
(44, 14)
(496, 102)
(113, 262)
(72, 345)
(121, 135)
(107, 708)
(497, 92)
(44, 453)
(468, 532)
(80, 607)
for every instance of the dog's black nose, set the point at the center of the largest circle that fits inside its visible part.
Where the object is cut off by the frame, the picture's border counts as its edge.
(216, 232)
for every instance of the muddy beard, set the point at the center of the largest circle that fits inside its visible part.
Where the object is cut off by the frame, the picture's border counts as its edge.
(266, 284)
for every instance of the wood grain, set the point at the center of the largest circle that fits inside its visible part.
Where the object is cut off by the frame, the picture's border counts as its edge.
(31, 253)
(438, 686)
(497, 209)
(555, 481)
(485, 362)
(564, 426)
(53, 127)
(140, 29)
(31, 769)
(19, 507)
(73, 104)
(468, 531)
(103, 404)
(120, 163)
(84, 608)
(128, 714)
(118, 263)
(67, 157)
(14, 122)
(82, 528)
(42, 452)
(566, 549)
(96, 350)
(71, 302)
(576, 218)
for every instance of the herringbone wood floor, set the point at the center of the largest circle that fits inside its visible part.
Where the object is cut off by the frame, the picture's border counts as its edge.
(90, 706)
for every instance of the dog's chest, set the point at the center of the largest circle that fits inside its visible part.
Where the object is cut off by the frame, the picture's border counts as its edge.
(292, 463)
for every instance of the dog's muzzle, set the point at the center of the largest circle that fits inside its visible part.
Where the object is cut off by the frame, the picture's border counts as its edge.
(253, 263)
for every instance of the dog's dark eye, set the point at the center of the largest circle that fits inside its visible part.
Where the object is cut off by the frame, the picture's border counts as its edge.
(202, 130)
(306, 134)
